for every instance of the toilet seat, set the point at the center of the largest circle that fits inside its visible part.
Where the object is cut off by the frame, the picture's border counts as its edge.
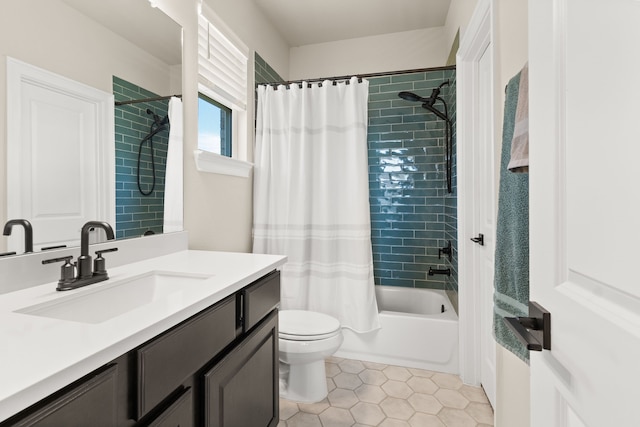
(301, 325)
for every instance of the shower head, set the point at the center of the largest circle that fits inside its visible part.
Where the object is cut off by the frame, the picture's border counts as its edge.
(429, 105)
(410, 96)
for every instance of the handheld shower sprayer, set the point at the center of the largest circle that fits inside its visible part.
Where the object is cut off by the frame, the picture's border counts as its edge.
(429, 104)
(159, 124)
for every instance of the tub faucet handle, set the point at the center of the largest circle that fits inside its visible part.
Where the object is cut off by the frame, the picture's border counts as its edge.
(447, 250)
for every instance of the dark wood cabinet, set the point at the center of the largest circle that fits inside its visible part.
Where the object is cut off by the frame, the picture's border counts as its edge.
(259, 299)
(179, 413)
(217, 368)
(89, 401)
(242, 389)
(165, 362)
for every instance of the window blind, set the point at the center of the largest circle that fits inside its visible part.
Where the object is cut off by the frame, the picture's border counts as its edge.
(222, 66)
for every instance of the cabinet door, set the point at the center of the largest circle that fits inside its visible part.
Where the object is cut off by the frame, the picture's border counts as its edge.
(92, 402)
(165, 362)
(242, 390)
(179, 414)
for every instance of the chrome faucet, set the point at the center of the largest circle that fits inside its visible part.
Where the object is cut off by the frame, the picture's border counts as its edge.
(28, 232)
(81, 273)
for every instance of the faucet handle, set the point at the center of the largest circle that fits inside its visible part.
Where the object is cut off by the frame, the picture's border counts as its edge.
(67, 271)
(99, 253)
(66, 259)
(99, 266)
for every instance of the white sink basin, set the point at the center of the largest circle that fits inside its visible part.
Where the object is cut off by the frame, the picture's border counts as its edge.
(108, 300)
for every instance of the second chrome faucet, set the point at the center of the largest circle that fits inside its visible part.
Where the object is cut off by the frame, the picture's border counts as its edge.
(84, 272)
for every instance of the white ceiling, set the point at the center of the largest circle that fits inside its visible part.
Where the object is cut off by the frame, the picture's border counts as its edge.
(303, 22)
(300, 22)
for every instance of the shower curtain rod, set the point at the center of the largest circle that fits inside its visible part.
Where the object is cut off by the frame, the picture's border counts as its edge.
(361, 76)
(136, 101)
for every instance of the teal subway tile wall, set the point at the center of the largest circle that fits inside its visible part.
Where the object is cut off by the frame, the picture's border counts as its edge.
(451, 200)
(264, 73)
(137, 214)
(412, 214)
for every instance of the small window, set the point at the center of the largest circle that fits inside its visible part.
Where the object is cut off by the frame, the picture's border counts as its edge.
(214, 126)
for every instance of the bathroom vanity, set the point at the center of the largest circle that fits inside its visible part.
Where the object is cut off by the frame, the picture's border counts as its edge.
(201, 351)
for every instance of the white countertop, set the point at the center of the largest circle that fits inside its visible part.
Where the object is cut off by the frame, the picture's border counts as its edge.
(40, 355)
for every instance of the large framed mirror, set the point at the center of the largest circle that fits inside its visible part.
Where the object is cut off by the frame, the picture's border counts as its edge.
(124, 48)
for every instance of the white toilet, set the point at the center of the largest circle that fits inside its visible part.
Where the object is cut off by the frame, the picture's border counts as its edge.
(306, 338)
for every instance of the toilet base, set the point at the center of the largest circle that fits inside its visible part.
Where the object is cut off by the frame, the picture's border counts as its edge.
(303, 382)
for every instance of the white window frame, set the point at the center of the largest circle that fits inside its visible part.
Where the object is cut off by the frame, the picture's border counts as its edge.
(236, 98)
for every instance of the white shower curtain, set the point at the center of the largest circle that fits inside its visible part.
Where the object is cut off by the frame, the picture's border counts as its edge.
(311, 197)
(173, 202)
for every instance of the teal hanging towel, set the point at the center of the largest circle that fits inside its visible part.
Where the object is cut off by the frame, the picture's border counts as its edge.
(511, 280)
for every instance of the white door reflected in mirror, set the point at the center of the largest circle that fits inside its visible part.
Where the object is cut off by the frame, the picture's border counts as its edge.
(60, 155)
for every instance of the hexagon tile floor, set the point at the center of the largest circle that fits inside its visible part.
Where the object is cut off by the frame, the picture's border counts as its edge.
(372, 394)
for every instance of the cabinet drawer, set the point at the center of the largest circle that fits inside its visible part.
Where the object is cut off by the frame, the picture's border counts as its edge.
(91, 402)
(168, 360)
(260, 298)
(179, 414)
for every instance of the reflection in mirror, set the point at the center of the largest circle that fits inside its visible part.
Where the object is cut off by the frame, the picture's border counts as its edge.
(141, 144)
(100, 44)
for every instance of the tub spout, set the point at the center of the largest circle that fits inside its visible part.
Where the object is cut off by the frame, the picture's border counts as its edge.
(444, 271)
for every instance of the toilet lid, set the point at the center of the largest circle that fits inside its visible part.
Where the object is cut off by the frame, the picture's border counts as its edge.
(301, 325)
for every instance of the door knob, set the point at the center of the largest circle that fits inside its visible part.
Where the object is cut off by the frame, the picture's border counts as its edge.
(479, 239)
(533, 331)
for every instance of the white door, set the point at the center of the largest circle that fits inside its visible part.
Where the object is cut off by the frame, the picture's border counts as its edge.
(476, 183)
(60, 155)
(585, 208)
(484, 215)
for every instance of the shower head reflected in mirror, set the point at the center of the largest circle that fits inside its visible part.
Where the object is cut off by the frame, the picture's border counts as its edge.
(410, 96)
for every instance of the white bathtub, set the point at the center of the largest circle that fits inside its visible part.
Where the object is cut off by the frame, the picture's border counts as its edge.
(414, 331)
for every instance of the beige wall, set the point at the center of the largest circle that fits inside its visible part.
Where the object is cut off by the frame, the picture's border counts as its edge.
(390, 52)
(458, 17)
(512, 390)
(512, 385)
(218, 208)
(60, 40)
